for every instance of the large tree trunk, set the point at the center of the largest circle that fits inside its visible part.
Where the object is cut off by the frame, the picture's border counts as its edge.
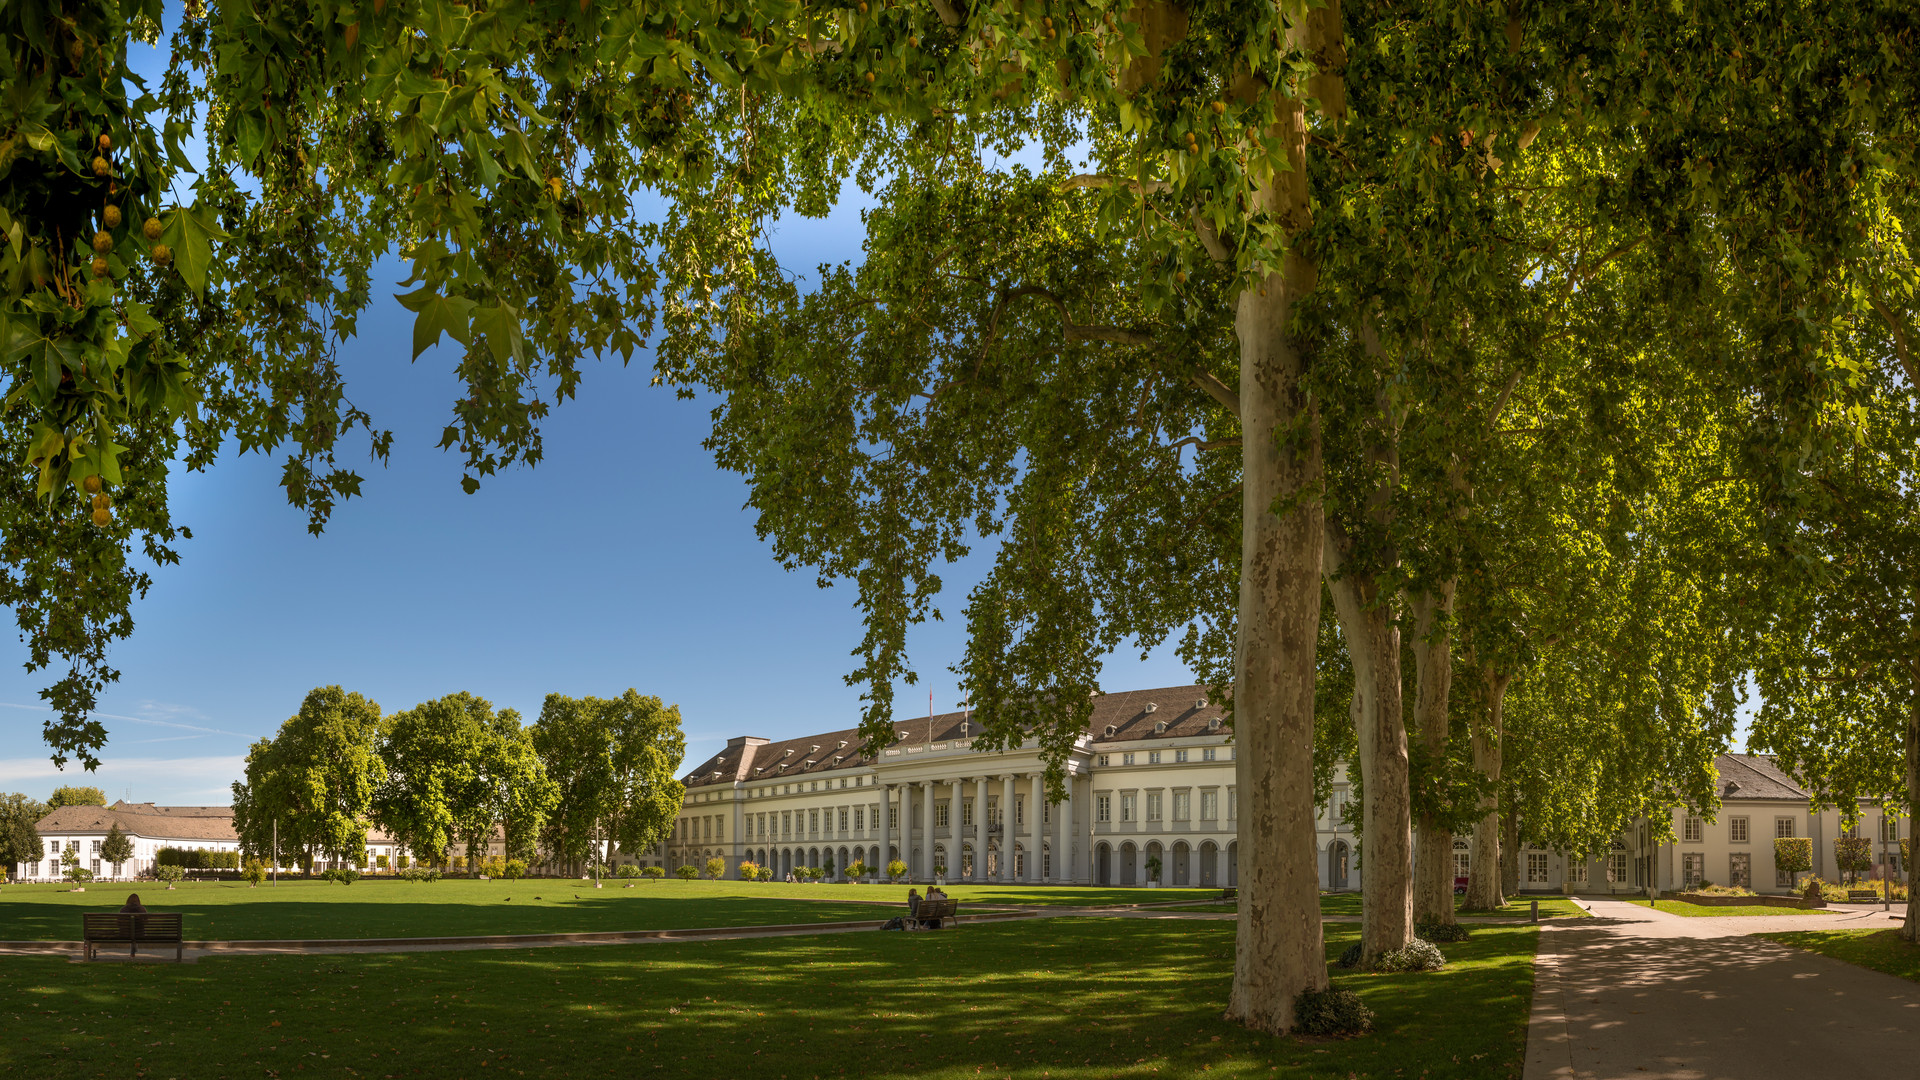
(1280, 951)
(1386, 826)
(1911, 930)
(1509, 845)
(1483, 871)
(1433, 667)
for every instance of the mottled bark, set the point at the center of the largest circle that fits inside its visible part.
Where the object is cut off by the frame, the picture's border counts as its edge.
(1509, 845)
(1911, 929)
(1489, 727)
(1280, 951)
(1386, 826)
(1433, 677)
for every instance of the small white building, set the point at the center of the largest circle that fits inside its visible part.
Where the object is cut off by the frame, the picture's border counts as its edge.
(83, 829)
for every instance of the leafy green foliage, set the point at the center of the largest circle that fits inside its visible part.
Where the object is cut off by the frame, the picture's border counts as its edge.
(612, 763)
(1792, 854)
(715, 867)
(116, 847)
(19, 840)
(76, 796)
(1332, 1013)
(196, 859)
(686, 873)
(314, 783)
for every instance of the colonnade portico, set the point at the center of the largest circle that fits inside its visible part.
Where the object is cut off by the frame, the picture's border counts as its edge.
(912, 806)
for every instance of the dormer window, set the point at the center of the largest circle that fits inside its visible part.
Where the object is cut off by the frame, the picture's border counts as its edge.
(1112, 731)
(789, 752)
(1153, 707)
(1199, 703)
(815, 749)
(1213, 724)
(842, 746)
(1160, 727)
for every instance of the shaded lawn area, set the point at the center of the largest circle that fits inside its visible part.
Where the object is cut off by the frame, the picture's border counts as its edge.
(1881, 950)
(1348, 903)
(1072, 999)
(1696, 911)
(303, 909)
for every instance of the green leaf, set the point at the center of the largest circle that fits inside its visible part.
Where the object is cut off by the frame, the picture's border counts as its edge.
(191, 233)
(249, 135)
(435, 314)
(501, 327)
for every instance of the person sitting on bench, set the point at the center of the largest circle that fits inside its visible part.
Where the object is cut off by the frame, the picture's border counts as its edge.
(133, 905)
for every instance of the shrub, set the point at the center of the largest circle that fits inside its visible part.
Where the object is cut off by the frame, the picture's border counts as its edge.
(629, 871)
(418, 872)
(858, 870)
(654, 873)
(896, 870)
(492, 867)
(514, 869)
(1793, 854)
(255, 871)
(686, 873)
(749, 871)
(716, 866)
(346, 875)
(197, 860)
(1416, 955)
(1434, 931)
(1708, 888)
(1331, 1013)
(170, 874)
(1853, 855)
(400, 861)
(380, 861)
(1352, 956)
(766, 873)
(1153, 868)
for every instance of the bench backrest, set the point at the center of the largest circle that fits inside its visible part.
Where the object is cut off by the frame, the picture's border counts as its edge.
(938, 909)
(152, 926)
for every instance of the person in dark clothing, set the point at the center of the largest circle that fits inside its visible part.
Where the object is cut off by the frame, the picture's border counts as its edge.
(133, 905)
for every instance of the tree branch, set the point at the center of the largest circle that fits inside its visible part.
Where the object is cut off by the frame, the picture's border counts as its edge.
(1205, 444)
(1094, 180)
(1217, 390)
(1899, 332)
(952, 12)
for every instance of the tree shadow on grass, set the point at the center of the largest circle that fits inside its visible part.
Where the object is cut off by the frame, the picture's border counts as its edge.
(1073, 999)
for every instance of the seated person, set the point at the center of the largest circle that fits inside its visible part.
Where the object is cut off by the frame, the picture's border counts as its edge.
(133, 905)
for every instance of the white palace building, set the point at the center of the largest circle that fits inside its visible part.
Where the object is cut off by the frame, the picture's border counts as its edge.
(1152, 778)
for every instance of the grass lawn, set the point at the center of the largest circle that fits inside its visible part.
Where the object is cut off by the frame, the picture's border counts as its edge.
(1348, 903)
(376, 908)
(302, 909)
(1074, 999)
(1695, 911)
(1881, 950)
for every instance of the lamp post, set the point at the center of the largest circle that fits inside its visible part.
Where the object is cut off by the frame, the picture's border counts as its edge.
(276, 852)
(1886, 868)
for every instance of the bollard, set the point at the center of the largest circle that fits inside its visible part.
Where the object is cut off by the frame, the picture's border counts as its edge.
(1536, 911)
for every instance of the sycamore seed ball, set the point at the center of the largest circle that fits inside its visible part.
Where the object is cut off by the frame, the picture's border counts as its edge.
(99, 266)
(162, 254)
(103, 518)
(100, 166)
(102, 241)
(152, 229)
(101, 501)
(111, 215)
(91, 484)
(106, 142)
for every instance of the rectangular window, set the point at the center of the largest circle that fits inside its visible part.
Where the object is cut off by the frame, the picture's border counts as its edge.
(843, 819)
(1690, 831)
(1126, 759)
(1617, 868)
(1848, 832)
(1693, 868)
(786, 824)
(1737, 830)
(1889, 829)
(1153, 806)
(1577, 872)
(1209, 806)
(966, 812)
(940, 816)
(859, 822)
(1206, 754)
(1740, 870)
(1233, 804)
(1337, 809)
(1019, 864)
(1179, 755)
(813, 823)
(1782, 826)
(1182, 805)
(1102, 762)
(1536, 868)
(1103, 808)
(719, 828)
(1019, 810)
(95, 867)
(1153, 757)
(96, 847)
(1126, 807)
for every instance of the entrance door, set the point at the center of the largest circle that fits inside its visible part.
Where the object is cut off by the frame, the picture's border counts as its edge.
(1126, 865)
(1740, 871)
(1103, 865)
(1337, 865)
(1209, 864)
(1181, 857)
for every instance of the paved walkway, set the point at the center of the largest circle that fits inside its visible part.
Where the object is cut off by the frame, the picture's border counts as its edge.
(1641, 994)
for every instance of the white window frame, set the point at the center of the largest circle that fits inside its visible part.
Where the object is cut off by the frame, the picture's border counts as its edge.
(1537, 866)
(1103, 808)
(1692, 830)
(1738, 830)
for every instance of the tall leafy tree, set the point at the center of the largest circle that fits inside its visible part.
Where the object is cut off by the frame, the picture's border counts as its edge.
(71, 795)
(117, 847)
(313, 784)
(613, 761)
(19, 840)
(437, 790)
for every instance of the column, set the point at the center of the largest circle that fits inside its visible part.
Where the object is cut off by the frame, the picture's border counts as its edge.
(926, 827)
(1063, 848)
(1006, 827)
(980, 828)
(1036, 830)
(955, 837)
(886, 829)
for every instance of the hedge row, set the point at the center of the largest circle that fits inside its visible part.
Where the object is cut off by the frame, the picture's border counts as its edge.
(197, 860)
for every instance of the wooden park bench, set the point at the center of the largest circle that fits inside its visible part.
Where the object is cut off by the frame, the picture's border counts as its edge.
(943, 911)
(133, 931)
(1862, 896)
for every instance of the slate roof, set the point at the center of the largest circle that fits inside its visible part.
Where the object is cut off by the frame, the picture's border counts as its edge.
(138, 822)
(1134, 715)
(1755, 776)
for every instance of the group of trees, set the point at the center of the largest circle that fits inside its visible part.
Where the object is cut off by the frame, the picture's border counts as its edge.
(446, 776)
(1479, 392)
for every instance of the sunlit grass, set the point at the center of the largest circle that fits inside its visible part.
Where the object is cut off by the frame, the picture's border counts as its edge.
(1348, 903)
(1881, 950)
(1073, 999)
(1696, 911)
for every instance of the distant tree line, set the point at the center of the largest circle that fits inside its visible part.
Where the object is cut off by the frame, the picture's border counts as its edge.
(443, 777)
